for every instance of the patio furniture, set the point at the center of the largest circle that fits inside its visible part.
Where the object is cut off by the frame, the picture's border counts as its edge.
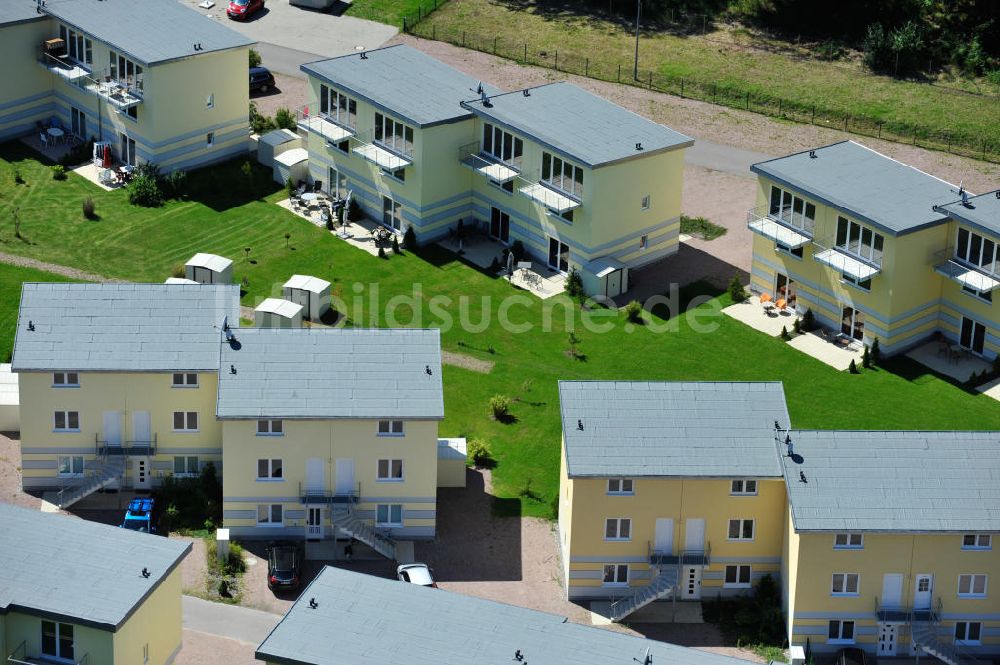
(106, 177)
(317, 186)
(780, 304)
(44, 139)
(956, 353)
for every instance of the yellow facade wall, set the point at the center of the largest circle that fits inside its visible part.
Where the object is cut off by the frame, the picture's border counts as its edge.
(154, 626)
(96, 644)
(26, 95)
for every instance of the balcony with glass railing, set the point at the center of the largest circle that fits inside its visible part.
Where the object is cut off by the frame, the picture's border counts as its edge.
(323, 125)
(122, 93)
(983, 279)
(487, 165)
(852, 259)
(384, 155)
(546, 193)
(781, 226)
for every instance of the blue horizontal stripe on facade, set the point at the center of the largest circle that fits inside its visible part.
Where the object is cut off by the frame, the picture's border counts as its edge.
(239, 514)
(162, 450)
(746, 559)
(39, 464)
(595, 574)
(420, 514)
(609, 559)
(26, 100)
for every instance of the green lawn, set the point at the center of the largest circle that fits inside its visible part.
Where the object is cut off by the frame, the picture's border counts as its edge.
(11, 278)
(722, 67)
(392, 11)
(141, 244)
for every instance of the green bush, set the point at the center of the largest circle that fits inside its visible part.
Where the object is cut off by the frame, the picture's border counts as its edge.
(410, 239)
(284, 119)
(517, 249)
(260, 123)
(144, 191)
(633, 312)
(191, 502)
(853, 367)
(574, 283)
(480, 454)
(81, 152)
(866, 358)
(876, 353)
(254, 58)
(382, 254)
(796, 326)
(395, 245)
(736, 291)
(354, 211)
(808, 321)
(784, 334)
(58, 172)
(18, 178)
(500, 408)
(175, 184)
(89, 209)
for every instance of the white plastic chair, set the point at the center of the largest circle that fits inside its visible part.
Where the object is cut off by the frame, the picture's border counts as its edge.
(44, 139)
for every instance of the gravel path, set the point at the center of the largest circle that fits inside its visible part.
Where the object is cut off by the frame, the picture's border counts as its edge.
(55, 268)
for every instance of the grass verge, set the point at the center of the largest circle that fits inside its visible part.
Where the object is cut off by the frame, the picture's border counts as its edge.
(701, 227)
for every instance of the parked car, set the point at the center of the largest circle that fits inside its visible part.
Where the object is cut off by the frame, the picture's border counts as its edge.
(851, 656)
(261, 79)
(241, 9)
(139, 516)
(284, 564)
(416, 573)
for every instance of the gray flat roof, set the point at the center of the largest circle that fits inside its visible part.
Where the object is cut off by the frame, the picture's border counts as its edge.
(864, 184)
(982, 211)
(18, 11)
(328, 373)
(149, 31)
(63, 567)
(671, 429)
(122, 327)
(403, 81)
(894, 481)
(578, 124)
(366, 619)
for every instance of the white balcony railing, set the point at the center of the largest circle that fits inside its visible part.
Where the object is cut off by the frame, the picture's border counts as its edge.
(761, 222)
(120, 93)
(380, 154)
(966, 274)
(323, 125)
(469, 155)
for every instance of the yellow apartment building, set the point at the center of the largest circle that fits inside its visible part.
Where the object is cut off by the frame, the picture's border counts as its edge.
(582, 183)
(74, 591)
(877, 249)
(156, 80)
(331, 433)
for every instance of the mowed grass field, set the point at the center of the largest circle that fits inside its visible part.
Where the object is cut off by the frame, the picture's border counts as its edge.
(721, 58)
(388, 11)
(434, 288)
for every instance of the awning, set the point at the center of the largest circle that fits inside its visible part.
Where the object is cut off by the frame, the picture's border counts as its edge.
(779, 233)
(549, 198)
(846, 264)
(967, 276)
(331, 131)
(381, 157)
(492, 170)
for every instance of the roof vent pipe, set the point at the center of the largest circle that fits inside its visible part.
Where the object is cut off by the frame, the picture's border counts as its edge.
(812, 154)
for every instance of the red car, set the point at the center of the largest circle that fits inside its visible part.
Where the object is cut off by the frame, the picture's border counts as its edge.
(241, 9)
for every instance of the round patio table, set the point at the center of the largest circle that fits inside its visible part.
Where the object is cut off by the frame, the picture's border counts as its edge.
(55, 132)
(309, 197)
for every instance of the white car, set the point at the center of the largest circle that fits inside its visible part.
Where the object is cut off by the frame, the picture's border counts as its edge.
(416, 573)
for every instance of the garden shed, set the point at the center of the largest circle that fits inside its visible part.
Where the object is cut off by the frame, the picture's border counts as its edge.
(605, 276)
(311, 292)
(179, 280)
(209, 269)
(277, 313)
(274, 143)
(292, 164)
(451, 462)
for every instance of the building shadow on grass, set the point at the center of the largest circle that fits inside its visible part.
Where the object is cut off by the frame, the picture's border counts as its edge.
(688, 266)
(224, 186)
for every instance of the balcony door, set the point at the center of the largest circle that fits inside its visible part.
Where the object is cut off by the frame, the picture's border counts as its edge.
(141, 433)
(113, 428)
(345, 476)
(852, 323)
(786, 287)
(79, 123)
(664, 538)
(558, 255)
(126, 149)
(973, 335)
(499, 225)
(392, 213)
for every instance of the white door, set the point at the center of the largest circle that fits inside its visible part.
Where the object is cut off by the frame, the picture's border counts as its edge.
(301, 297)
(887, 640)
(691, 583)
(141, 430)
(140, 473)
(113, 428)
(923, 586)
(694, 536)
(664, 542)
(892, 590)
(345, 475)
(614, 287)
(315, 476)
(314, 524)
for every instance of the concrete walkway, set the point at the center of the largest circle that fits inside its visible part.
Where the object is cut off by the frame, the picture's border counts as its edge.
(230, 621)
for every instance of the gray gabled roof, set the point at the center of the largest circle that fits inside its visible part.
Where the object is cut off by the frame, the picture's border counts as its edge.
(671, 429)
(83, 572)
(122, 327)
(149, 31)
(894, 481)
(864, 184)
(982, 211)
(578, 124)
(403, 81)
(325, 373)
(361, 618)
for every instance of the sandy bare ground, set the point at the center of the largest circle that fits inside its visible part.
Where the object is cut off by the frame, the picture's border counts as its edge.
(466, 361)
(289, 92)
(194, 567)
(10, 473)
(204, 649)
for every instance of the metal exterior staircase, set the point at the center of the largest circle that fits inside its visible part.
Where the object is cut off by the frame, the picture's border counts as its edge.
(100, 473)
(345, 519)
(663, 584)
(925, 638)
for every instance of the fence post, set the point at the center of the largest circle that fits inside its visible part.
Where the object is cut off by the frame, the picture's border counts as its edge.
(715, 87)
(557, 61)
(420, 13)
(619, 72)
(586, 67)
(404, 25)
(463, 39)
(779, 106)
(434, 32)
(879, 129)
(748, 100)
(814, 115)
(650, 79)
(846, 116)
(525, 52)
(494, 44)
(914, 135)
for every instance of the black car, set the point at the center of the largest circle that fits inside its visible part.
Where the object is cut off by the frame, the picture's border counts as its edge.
(261, 79)
(851, 656)
(284, 563)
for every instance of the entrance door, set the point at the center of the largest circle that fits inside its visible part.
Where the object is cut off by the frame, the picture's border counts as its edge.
(973, 335)
(79, 122)
(315, 477)
(126, 149)
(140, 473)
(391, 214)
(614, 284)
(141, 433)
(499, 225)
(691, 583)
(785, 288)
(852, 323)
(314, 524)
(558, 255)
(336, 186)
(922, 588)
(113, 428)
(345, 476)
(301, 297)
(887, 640)
(694, 535)
(892, 590)
(664, 542)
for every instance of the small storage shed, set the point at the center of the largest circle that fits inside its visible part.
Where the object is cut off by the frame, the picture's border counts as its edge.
(451, 462)
(292, 164)
(274, 143)
(10, 404)
(209, 269)
(277, 313)
(311, 292)
(179, 280)
(605, 276)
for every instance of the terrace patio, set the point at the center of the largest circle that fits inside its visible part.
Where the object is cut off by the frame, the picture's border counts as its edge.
(949, 359)
(481, 250)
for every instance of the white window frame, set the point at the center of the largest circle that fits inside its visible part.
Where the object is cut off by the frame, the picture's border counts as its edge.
(388, 508)
(985, 261)
(58, 655)
(644, 205)
(79, 47)
(566, 179)
(275, 470)
(270, 427)
(621, 486)
(269, 509)
(393, 134)
(741, 487)
(840, 639)
(792, 210)
(615, 569)
(848, 538)
(643, 242)
(391, 428)
(977, 541)
(390, 477)
(502, 145)
(859, 251)
(971, 593)
(845, 584)
(209, 139)
(187, 418)
(338, 107)
(72, 459)
(742, 524)
(738, 569)
(965, 628)
(187, 380)
(66, 421)
(621, 525)
(65, 380)
(187, 463)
